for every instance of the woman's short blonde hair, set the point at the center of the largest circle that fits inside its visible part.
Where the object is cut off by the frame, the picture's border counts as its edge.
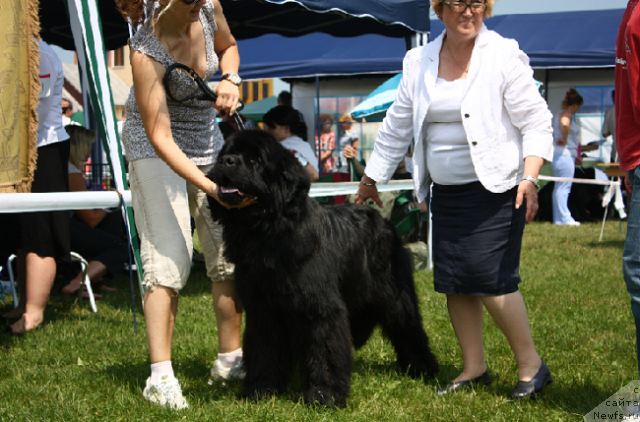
(438, 6)
(80, 142)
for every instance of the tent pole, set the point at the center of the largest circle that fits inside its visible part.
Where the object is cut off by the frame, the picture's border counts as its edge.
(546, 85)
(317, 118)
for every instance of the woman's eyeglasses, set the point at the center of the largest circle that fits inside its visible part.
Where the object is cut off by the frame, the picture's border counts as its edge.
(461, 7)
(190, 2)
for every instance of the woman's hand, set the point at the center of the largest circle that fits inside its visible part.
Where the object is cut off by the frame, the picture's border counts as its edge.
(527, 190)
(368, 190)
(212, 191)
(349, 152)
(561, 142)
(228, 96)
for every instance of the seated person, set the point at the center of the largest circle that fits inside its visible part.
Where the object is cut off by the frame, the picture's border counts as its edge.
(286, 124)
(97, 235)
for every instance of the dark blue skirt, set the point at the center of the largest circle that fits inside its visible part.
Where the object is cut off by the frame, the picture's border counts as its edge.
(477, 237)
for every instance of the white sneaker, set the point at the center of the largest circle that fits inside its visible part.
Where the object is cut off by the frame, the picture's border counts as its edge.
(573, 223)
(220, 373)
(167, 392)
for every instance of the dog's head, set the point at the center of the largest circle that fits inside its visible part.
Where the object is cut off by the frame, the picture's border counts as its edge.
(252, 164)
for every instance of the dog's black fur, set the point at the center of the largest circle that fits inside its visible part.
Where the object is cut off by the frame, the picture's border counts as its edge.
(314, 281)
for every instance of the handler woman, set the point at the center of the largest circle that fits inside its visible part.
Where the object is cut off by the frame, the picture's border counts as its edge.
(170, 147)
(482, 131)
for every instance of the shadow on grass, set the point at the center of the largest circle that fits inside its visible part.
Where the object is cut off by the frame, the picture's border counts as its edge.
(607, 244)
(364, 367)
(576, 398)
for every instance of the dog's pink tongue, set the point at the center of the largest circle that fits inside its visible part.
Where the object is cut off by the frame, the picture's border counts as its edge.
(231, 189)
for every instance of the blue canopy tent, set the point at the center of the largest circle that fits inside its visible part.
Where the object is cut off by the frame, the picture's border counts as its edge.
(253, 18)
(560, 40)
(292, 18)
(552, 40)
(318, 55)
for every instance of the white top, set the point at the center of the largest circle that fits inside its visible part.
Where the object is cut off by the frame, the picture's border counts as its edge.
(73, 169)
(448, 153)
(300, 146)
(503, 114)
(50, 129)
(609, 125)
(66, 121)
(571, 148)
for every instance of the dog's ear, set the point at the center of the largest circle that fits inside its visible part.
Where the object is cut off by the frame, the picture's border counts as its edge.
(291, 182)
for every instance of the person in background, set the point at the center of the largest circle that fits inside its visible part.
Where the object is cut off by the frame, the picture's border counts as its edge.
(482, 131)
(609, 127)
(326, 144)
(228, 124)
(44, 236)
(349, 138)
(67, 112)
(286, 125)
(284, 98)
(565, 156)
(98, 234)
(171, 147)
(628, 144)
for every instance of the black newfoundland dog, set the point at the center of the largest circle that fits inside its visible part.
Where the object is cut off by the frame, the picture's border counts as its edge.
(314, 281)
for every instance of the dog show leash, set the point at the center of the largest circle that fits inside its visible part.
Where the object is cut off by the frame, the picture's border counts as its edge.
(199, 89)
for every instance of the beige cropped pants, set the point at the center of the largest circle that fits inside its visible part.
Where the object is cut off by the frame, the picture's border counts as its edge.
(163, 203)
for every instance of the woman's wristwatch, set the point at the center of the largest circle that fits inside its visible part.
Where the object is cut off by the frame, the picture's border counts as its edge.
(532, 180)
(234, 78)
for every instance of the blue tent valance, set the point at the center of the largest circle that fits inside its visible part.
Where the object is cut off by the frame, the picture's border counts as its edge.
(552, 40)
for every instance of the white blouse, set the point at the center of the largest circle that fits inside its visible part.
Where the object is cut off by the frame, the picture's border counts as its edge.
(448, 153)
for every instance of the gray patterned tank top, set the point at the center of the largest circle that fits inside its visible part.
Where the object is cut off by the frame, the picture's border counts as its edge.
(193, 123)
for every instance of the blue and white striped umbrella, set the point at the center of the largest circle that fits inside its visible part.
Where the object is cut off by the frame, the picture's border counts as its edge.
(375, 106)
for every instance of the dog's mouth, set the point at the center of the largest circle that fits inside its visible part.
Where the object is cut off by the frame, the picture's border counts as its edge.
(231, 190)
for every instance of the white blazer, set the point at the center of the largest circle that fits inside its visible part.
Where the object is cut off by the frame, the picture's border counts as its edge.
(505, 117)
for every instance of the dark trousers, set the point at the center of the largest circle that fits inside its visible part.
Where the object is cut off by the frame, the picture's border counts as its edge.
(104, 243)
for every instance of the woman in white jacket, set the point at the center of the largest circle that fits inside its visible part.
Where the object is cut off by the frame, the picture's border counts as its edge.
(481, 131)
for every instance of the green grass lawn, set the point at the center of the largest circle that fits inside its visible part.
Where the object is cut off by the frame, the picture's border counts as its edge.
(91, 367)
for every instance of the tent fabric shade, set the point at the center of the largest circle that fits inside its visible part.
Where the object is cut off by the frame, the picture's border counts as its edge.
(56, 28)
(340, 18)
(275, 56)
(254, 18)
(255, 110)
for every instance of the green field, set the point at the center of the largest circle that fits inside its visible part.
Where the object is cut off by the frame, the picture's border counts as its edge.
(91, 367)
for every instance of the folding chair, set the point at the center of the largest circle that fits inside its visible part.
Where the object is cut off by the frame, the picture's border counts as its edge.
(86, 282)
